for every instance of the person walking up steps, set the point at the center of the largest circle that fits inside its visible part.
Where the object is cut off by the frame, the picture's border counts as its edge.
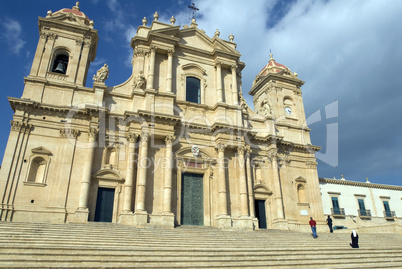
(313, 226)
(329, 222)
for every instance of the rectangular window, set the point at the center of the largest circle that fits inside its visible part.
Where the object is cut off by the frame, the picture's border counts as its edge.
(335, 205)
(362, 207)
(193, 90)
(387, 209)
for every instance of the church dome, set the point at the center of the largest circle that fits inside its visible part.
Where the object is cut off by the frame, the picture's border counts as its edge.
(73, 12)
(272, 67)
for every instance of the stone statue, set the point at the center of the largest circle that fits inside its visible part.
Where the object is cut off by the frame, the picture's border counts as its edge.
(102, 74)
(139, 81)
(266, 109)
(243, 103)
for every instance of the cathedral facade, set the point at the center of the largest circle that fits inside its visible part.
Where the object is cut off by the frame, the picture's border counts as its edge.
(176, 144)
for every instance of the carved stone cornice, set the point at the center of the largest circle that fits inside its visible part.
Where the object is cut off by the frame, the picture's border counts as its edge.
(359, 184)
(311, 165)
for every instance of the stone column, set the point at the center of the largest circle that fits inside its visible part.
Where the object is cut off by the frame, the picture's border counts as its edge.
(243, 183)
(250, 184)
(150, 82)
(128, 185)
(277, 185)
(167, 190)
(84, 63)
(74, 62)
(46, 56)
(235, 95)
(169, 72)
(219, 82)
(87, 171)
(142, 173)
(38, 54)
(223, 209)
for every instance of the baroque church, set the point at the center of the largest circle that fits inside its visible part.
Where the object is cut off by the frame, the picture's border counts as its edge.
(175, 144)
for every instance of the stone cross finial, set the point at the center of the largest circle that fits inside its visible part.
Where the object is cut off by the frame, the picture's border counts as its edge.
(217, 33)
(156, 16)
(144, 21)
(172, 20)
(231, 37)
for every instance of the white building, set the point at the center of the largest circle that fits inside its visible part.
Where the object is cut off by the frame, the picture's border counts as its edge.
(365, 206)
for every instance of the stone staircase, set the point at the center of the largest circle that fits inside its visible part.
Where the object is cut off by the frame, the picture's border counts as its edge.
(95, 245)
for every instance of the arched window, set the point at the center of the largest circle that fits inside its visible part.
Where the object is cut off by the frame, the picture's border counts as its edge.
(60, 63)
(193, 90)
(37, 170)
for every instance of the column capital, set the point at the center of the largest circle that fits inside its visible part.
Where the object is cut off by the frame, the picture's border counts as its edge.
(145, 137)
(132, 138)
(241, 150)
(68, 132)
(169, 139)
(152, 49)
(93, 132)
(218, 64)
(233, 67)
(220, 147)
(78, 42)
(170, 52)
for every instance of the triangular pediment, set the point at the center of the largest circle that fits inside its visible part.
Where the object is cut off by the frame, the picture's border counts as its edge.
(41, 150)
(193, 37)
(67, 18)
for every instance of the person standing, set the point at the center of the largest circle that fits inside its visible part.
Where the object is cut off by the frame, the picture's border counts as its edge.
(329, 222)
(355, 239)
(313, 226)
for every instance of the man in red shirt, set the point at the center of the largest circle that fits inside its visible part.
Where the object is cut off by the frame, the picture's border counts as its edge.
(313, 225)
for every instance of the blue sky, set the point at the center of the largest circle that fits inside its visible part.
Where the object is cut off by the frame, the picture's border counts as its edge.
(349, 53)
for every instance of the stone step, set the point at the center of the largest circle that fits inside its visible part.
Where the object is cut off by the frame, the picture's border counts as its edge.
(111, 245)
(312, 262)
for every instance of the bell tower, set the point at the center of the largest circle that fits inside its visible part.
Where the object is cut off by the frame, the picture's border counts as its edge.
(66, 46)
(276, 93)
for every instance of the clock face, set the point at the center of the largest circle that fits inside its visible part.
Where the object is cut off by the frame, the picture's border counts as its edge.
(288, 110)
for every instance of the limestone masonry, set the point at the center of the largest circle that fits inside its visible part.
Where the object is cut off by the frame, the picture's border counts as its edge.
(175, 144)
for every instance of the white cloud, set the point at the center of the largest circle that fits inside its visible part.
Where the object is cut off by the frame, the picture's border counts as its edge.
(346, 51)
(12, 35)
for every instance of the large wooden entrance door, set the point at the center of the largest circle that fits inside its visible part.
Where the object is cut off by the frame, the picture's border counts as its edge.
(260, 214)
(104, 205)
(192, 201)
